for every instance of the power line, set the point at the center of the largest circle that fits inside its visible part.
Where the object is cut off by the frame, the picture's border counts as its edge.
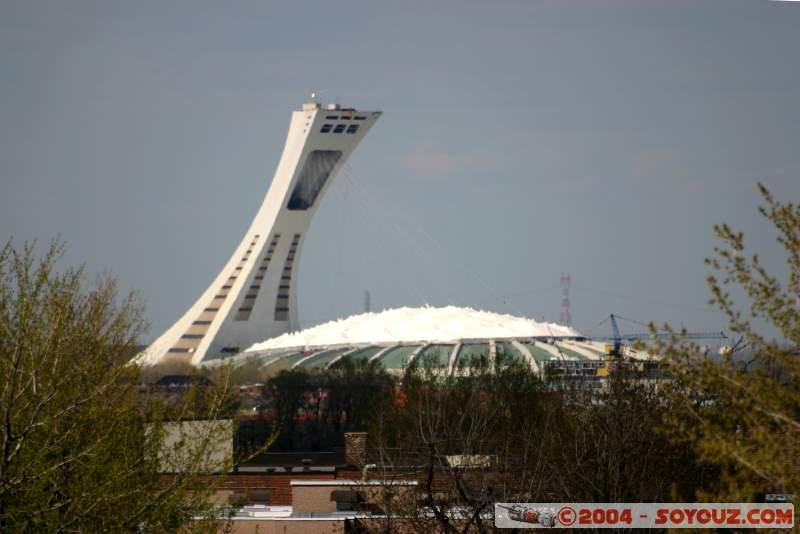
(623, 296)
(410, 223)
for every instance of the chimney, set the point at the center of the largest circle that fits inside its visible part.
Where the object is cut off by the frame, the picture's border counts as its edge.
(355, 448)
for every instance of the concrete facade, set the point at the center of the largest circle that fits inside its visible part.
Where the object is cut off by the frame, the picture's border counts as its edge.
(254, 297)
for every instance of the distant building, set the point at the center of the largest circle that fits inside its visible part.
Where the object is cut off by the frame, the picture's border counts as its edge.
(339, 493)
(179, 451)
(176, 381)
(448, 339)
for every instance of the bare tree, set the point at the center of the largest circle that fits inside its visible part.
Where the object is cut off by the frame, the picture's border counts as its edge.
(490, 434)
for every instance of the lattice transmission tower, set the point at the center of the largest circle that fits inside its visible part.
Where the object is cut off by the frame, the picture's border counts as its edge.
(565, 318)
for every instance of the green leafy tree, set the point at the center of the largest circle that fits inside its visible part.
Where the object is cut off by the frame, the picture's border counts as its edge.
(81, 444)
(741, 410)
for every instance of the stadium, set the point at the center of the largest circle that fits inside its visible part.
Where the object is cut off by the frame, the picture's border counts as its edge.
(250, 310)
(445, 340)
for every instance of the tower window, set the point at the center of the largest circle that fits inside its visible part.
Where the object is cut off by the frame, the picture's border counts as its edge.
(316, 170)
(353, 128)
(282, 302)
(326, 128)
(339, 128)
(246, 306)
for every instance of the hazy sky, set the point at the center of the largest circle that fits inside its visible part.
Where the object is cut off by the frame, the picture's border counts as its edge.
(519, 140)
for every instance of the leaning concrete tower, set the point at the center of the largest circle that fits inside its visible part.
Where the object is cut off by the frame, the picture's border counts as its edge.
(254, 297)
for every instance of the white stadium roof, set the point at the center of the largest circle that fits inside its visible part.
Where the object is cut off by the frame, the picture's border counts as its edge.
(445, 339)
(405, 325)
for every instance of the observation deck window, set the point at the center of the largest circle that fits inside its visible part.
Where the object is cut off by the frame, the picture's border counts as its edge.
(312, 178)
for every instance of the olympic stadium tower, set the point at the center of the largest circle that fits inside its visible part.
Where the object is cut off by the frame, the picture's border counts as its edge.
(254, 297)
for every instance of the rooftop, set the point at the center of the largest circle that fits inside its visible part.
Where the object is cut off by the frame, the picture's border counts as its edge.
(426, 324)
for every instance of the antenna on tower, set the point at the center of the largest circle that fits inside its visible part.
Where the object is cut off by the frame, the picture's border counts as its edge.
(367, 302)
(566, 318)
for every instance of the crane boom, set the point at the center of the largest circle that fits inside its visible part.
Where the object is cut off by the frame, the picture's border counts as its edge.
(662, 335)
(615, 349)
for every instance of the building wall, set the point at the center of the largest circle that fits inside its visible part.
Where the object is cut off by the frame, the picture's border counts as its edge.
(312, 499)
(217, 455)
(279, 488)
(278, 485)
(320, 496)
(299, 526)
